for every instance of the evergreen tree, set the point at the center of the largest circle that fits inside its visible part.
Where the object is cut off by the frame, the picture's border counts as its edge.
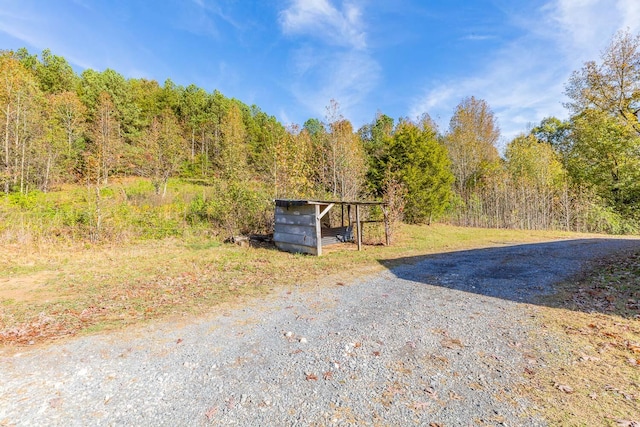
(420, 163)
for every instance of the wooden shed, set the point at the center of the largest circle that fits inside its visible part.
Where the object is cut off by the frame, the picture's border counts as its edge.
(299, 225)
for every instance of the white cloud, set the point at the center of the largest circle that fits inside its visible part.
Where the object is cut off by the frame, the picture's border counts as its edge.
(583, 27)
(630, 11)
(203, 18)
(337, 64)
(348, 77)
(479, 37)
(523, 82)
(284, 117)
(319, 18)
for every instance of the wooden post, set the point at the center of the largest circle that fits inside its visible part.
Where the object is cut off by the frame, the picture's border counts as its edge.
(359, 229)
(318, 231)
(349, 222)
(386, 225)
(342, 216)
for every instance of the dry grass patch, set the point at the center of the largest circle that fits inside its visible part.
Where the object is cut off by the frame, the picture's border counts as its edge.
(593, 374)
(48, 291)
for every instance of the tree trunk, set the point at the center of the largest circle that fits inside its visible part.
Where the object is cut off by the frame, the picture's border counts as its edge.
(46, 174)
(6, 151)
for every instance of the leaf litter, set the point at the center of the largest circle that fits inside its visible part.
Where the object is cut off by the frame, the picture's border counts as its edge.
(596, 319)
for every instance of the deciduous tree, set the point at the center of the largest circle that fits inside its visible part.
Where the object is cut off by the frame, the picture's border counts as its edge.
(345, 156)
(232, 160)
(20, 111)
(612, 85)
(107, 143)
(164, 147)
(605, 132)
(473, 134)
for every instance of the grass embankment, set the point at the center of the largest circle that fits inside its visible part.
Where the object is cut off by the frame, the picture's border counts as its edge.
(127, 209)
(50, 291)
(594, 322)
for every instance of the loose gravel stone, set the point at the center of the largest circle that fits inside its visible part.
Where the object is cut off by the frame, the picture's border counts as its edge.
(442, 340)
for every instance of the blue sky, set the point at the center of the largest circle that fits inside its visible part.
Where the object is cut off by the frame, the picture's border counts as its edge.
(290, 57)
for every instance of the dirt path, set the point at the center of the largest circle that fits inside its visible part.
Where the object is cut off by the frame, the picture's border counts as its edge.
(441, 340)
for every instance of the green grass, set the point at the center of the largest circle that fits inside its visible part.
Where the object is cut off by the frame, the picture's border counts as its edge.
(128, 209)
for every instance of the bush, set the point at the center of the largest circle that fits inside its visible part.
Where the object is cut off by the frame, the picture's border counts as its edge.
(604, 219)
(234, 208)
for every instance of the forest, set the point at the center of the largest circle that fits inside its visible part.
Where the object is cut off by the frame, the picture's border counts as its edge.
(98, 156)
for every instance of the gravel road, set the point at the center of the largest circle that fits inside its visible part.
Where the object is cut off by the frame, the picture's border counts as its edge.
(441, 340)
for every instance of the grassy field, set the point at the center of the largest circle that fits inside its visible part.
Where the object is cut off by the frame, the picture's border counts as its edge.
(49, 291)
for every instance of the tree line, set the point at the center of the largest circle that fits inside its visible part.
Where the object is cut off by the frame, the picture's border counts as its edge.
(580, 174)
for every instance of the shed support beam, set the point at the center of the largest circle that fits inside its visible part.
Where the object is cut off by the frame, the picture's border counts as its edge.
(385, 213)
(324, 212)
(358, 228)
(318, 230)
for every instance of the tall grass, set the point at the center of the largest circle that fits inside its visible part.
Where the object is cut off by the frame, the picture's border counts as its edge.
(129, 209)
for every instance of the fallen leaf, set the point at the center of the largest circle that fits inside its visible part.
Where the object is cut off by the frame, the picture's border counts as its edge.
(451, 343)
(340, 284)
(594, 396)
(327, 375)
(311, 377)
(454, 396)
(56, 402)
(634, 347)
(179, 341)
(394, 389)
(565, 388)
(420, 406)
(476, 386)
(357, 345)
(376, 353)
(211, 412)
(586, 358)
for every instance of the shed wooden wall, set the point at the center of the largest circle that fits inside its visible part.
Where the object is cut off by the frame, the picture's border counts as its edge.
(295, 229)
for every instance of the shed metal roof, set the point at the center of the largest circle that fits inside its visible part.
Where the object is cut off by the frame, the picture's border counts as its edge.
(285, 203)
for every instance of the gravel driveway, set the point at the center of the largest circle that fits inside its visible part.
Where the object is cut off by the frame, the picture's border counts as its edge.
(442, 340)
